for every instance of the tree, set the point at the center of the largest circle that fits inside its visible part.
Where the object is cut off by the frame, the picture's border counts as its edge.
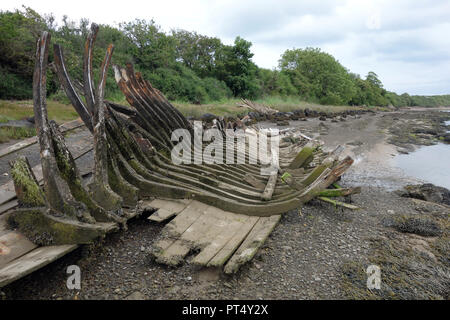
(151, 48)
(235, 68)
(317, 75)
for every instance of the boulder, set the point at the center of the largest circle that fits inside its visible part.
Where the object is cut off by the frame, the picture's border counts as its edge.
(427, 192)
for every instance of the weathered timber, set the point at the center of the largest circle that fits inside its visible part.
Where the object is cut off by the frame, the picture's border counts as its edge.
(343, 192)
(13, 245)
(252, 243)
(223, 212)
(303, 157)
(270, 187)
(45, 229)
(29, 194)
(339, 203)
(165, 209)
(32, 261)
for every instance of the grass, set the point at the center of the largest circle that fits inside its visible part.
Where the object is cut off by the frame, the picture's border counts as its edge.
(15, 133)
(19, 110)
(230, 107)
(61, 112)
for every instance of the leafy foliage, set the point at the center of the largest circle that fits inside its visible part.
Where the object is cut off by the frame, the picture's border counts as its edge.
(187, 66)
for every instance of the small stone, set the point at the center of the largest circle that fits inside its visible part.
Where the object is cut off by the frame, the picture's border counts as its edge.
(117, 290)
(142, 248)
(189, 278)
(391, 211)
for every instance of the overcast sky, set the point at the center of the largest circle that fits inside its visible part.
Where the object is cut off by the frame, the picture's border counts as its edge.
(407, 43)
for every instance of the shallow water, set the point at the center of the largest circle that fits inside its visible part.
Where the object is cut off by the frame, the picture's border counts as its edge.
(430, 164)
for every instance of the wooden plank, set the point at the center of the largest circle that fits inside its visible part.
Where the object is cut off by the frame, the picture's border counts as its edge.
(13, 245)
(339, 203)
(32, 261)
(174, 254)
(270, 187)
(190, 238)
(4, 228)
(252, 243)
(167, 209)
(6, 206)
(236, 221)
(65, 127)
(225, 253)
(175, 228)
(161, 215)
(251, 180)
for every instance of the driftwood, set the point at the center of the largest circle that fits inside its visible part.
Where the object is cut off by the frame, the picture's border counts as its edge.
(224, 212)
(339, 203)
(257, 107)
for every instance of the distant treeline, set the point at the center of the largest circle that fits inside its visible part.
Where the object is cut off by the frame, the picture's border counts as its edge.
(187, 66)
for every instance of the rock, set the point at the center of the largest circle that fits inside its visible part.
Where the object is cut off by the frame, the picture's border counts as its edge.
(137, 295)
(421, 226)
(323, 118)
(427, 192)
(422, 247)
(446, 137)
(208, 117)
(282, 123)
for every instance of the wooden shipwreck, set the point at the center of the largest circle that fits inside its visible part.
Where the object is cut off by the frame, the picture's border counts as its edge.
(220, 214)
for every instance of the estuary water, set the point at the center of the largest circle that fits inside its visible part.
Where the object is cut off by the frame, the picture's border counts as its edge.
(430, 164)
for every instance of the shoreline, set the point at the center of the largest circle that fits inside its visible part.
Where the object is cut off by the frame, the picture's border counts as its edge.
(316, 252)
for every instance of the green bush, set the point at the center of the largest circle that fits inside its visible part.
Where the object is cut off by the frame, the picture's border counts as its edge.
(12, 86)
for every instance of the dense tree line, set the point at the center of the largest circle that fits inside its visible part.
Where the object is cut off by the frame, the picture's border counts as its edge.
(188, 66)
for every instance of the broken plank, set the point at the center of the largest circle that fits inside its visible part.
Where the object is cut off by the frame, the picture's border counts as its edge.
(222, 238)
(161, 215)
(8, 205)
(13, 245)
(166, 208)
(201, 232)
(252, 243)
(173, 230)
(342, 192)
(251, 180)
(270, 187)
(230, 247)
(338, 203)
(32, 261)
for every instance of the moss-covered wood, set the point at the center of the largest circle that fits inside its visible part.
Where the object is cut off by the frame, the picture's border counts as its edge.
(44, 228)
(29, 194)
